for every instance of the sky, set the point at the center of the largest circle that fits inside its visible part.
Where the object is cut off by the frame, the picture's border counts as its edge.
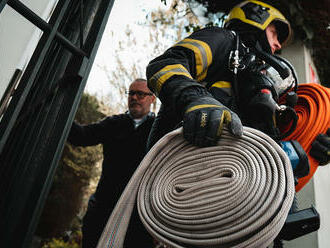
(123, 12)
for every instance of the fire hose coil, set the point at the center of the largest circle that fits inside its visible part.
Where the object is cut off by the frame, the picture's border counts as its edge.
(235, 194)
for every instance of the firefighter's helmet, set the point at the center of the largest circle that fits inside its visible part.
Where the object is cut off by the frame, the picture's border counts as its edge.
(260, 15)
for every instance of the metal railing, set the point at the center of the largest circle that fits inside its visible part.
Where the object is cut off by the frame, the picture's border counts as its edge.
(37, 119)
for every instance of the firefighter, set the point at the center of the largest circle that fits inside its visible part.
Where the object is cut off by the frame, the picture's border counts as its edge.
(195, 79)
(230, 77)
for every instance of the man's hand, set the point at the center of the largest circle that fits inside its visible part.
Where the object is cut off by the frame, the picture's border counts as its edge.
(321, 148)
(204, 120)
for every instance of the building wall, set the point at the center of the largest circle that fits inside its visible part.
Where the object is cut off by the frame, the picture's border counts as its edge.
(322, 201)
(18, 38)
(316, 191)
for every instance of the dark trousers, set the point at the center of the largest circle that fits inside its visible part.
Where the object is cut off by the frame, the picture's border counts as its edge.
(95, 220)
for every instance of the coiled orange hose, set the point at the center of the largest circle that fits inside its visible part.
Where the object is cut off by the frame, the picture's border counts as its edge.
(313, 110)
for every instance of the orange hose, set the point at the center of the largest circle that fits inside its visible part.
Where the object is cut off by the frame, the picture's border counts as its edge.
(313, 110)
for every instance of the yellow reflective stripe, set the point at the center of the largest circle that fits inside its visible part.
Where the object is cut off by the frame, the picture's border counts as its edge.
(225, 118)
(221, 84)
(160, 77)
(202, 106)
(203, 55)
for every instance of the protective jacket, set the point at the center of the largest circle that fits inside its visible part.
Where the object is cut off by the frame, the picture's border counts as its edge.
(124, 146)
(195, 66)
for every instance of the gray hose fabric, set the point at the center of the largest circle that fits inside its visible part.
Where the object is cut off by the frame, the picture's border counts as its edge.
(235, 194)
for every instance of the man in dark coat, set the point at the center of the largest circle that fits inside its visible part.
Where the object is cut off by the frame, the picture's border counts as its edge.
(124, 138)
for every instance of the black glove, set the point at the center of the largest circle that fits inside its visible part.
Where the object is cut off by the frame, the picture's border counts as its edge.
(321, 148)
(204, 119)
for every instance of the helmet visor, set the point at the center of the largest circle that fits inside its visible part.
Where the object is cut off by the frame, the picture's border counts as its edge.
(283, 31)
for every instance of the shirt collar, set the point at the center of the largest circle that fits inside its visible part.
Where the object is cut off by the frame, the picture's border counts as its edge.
(138, 122)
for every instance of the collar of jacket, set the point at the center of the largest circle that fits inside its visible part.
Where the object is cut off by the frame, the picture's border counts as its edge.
(138, 122)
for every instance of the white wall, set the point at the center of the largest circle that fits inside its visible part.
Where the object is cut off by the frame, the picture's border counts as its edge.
(18, 38)
(322, 202)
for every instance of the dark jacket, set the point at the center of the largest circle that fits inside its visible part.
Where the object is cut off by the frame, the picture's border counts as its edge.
(123, 149)
(199, 60)
(195, 66)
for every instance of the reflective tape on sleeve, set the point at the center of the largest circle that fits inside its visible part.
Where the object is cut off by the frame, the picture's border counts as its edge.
(203, 55)
(160, 77)
(224, 85)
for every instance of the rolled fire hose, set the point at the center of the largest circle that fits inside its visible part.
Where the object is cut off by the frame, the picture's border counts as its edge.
(313, 110)
(235, 194)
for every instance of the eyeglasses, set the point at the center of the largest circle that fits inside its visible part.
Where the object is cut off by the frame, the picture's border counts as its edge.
(139, 94)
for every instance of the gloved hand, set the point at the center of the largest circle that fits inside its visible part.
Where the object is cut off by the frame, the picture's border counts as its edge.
(321, 148)
(204, 119)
